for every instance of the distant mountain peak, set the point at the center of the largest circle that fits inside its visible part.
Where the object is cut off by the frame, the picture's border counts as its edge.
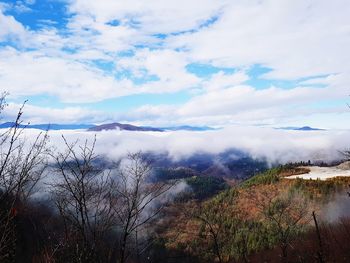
(121, 126)
(304, 128)
(129, 127)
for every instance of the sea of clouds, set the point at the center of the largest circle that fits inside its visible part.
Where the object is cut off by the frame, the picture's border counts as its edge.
(273, 145)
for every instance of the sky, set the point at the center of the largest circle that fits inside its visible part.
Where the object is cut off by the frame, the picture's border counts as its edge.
(219, 63)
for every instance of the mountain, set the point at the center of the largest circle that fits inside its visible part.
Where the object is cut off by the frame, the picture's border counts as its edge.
(304, 128)
(120, 126)
(47, 126)
(129, 127)
(307, 128)
(231, 164)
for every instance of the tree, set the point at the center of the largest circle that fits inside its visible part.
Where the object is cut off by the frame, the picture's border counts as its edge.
(287, 215)
(22, 165)
(213, 226)
(95, 201)
(220, 222)
(138, 202)
(84, 197)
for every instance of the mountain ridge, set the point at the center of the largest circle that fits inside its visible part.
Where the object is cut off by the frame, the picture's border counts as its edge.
(106, 126)
(304, 128)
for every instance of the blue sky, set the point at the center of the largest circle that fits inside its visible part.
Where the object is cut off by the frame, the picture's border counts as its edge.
(196, 62)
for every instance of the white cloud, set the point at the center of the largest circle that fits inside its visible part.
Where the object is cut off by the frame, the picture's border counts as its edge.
(32, 73)
(88, 34)
(295, 38)
(35, 114)
(167, 66)
(221, 81)
(30, 2)
(241, 98)
(221, 104)
(272, 145)
(10, 29)
(155, 16)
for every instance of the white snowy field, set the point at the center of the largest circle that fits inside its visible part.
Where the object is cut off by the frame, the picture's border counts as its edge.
(322, 173)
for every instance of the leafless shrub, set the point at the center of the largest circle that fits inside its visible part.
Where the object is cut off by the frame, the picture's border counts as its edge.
(83, 194)
(21, 167)
(137, 203)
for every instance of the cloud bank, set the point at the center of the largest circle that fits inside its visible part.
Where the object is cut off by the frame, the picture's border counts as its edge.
(275, 146)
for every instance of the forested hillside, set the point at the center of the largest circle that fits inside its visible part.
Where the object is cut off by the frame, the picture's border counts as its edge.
(264, 219)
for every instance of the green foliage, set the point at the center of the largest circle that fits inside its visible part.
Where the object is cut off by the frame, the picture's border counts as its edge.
(246, 166)
(227, 196)
(204, 186)
(271, 176)
(237, 236)
(320, 190)
(282, 219)
(163, 174)
(247, 238)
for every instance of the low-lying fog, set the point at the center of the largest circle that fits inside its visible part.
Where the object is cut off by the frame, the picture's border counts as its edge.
(271, 144)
